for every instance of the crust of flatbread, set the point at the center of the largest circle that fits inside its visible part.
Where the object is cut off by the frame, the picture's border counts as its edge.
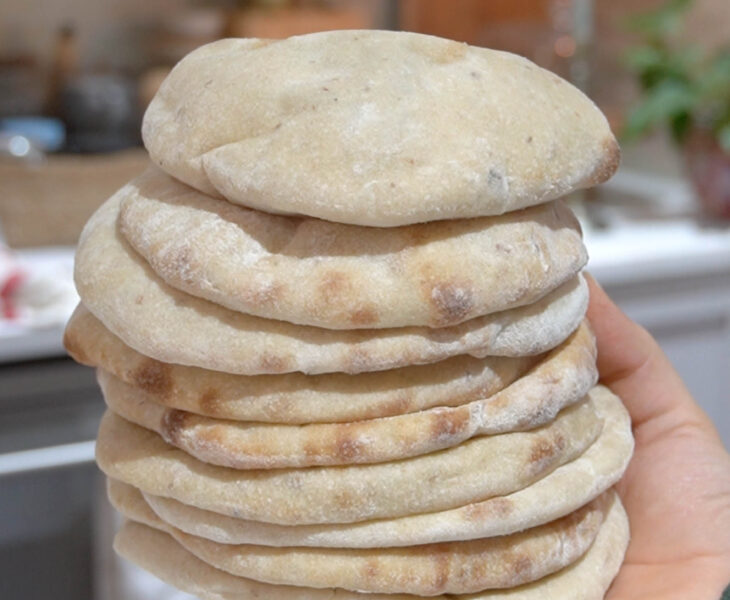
(375, 128)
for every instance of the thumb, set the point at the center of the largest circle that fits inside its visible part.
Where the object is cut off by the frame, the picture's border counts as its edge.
(633, 365)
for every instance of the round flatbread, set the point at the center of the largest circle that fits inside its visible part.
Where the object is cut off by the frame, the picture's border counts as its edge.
(161, 322)
(377, 128)
(427, 570)
(586, 579)
(313, 272)
(293, 398)
(475, 470)
(566, 489)
(564, 377)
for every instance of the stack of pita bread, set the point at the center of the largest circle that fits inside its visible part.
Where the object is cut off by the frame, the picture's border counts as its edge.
(340, 328)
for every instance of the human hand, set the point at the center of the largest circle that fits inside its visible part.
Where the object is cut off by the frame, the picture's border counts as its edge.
(677, 488)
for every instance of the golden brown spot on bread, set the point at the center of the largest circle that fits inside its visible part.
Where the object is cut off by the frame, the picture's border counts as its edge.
(311, 449)
(333, 285)
(270, 363)
(171, 424)
(213, 437)
(452, 303)
(343, 498)
(74, 348)
(609, 163)
(521, 567)
(449, 423)
(542, 449)
(398, 405)
(498, 400)
(495, 507)
(154, 377)
(364, 316)
(209, 402)
(442, 564)
(348, 448)
(372, 567)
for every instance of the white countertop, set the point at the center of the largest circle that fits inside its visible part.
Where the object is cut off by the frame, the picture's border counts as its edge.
(43, 339)
(632, 253)
(656, 237)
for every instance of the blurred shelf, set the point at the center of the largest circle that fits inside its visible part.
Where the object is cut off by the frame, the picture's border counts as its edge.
(48, 203)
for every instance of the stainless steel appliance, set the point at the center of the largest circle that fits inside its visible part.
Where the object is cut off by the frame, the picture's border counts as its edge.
(49, 412)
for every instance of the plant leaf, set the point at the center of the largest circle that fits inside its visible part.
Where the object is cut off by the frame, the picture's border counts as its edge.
(714, 80)
(669, 101)
(680, 125)
(723, 137)
(661, 22)
(642, 58)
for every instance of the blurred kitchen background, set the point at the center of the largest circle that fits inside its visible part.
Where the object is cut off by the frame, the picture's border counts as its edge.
(75, 77)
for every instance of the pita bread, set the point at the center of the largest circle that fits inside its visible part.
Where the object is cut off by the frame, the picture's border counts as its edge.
(564, 490)
(156, 320)
(313, 272)
(375, 128)
(428, 570)
(565, 376)
(586, 579)
(475, 470)
(130, 502)
(293, 397)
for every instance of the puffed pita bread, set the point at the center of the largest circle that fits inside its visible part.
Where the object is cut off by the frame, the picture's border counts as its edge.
(293, 397)
(313, 272)
(123, 292)
(158, 552)
(566, 489)
(376, 128)
(564, 377)
(474, 470)
(427, 570)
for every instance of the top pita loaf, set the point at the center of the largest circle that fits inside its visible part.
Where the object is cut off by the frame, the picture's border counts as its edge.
(375, 128)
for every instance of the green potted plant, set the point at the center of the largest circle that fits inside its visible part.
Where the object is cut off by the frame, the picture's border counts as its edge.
(687, 89)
